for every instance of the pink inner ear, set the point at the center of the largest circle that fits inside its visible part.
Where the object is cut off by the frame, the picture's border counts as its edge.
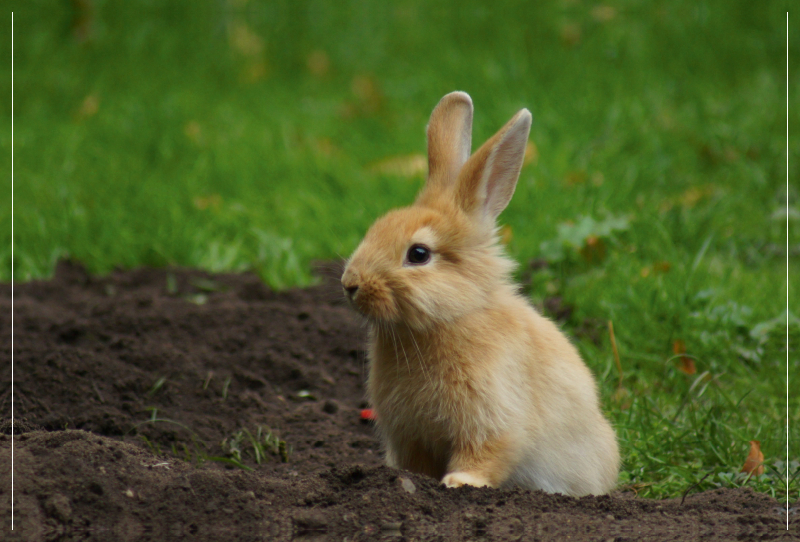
(502, 175)
(488, 179)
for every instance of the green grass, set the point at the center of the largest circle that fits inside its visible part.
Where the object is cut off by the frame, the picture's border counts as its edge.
(238, 135)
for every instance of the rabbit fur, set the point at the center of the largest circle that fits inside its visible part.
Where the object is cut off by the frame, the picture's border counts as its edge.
(469, 383)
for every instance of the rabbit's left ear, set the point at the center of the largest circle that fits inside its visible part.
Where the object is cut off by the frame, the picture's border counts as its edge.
(488, 179)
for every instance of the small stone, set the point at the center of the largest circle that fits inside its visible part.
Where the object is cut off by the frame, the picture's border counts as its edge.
(129, 493)
(407, 484)
(330, 407)
(610, 516)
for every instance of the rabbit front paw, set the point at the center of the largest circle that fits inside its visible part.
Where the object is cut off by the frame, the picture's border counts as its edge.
(461, 478)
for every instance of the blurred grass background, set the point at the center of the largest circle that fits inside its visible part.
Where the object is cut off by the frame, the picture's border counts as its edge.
(263, 135)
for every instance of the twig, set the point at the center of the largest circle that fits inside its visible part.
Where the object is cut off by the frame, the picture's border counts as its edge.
(616, 352)
(694, 485)
(99, 395)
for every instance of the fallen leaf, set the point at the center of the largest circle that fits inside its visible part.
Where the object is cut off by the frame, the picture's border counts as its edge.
(603, 14)
(366, 91)
(658, 267)
(254, 71)
(686, 363)
(622, 397)
(573, 178)
(754, 464)
(505, 234)
(193, 131)
(204, 202)
(531, 154)
(662, 267)
(404, 166)
(693, 195)
(83, 19)
(243, 40)
(594, 249)
(324, 147)
(571, 34)
(89, 107)
(689, 197)
(318, 63)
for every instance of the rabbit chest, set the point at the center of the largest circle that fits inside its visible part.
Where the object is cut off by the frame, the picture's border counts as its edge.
(431, 396)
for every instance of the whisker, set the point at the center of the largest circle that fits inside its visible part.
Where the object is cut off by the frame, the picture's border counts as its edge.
(408, 365)
(421, 358)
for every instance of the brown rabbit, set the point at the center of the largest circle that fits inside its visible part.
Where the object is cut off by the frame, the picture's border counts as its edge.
(469, 383)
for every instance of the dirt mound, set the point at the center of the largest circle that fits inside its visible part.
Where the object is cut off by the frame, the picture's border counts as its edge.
(142, 398)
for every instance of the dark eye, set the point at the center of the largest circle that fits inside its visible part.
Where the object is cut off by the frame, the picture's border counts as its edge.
(418, 255)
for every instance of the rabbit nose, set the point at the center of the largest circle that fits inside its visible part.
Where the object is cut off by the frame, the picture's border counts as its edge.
(351, 291)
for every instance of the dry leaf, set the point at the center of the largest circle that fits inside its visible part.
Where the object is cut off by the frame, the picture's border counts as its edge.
(658, 267)
(325, 147)
(243, 40)
(662, 267)
(531, 154)
(89, 107)
(205, 202)
(83, 19)
(594, 249)
(571, 34)
(693, 195)
(505, 234)
(254, 71)
(402, 166)
(193, 131)
(318, 63)
(573, 178)
(689, 197)
(623, 398)
(603, 14)
(367, 93)
(686, 363)
(754, 465)
(731, 154)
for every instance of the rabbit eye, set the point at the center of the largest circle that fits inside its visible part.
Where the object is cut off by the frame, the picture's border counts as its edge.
(418, 255)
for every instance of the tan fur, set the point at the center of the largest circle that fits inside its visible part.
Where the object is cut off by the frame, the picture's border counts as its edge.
(469, 383)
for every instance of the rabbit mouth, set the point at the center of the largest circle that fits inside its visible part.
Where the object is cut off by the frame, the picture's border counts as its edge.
(373, 300)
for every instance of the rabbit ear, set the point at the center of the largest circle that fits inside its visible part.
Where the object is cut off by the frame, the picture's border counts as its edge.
(449, 138)
(488, 179)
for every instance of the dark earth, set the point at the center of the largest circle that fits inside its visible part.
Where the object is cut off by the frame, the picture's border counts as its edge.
(138, 397)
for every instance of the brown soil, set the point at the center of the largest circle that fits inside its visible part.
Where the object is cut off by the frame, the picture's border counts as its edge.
(215, 355)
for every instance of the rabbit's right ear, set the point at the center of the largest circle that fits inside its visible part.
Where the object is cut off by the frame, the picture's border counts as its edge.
(449, 139)
(488, 179)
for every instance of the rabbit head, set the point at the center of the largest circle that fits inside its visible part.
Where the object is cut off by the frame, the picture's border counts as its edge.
(439, 259)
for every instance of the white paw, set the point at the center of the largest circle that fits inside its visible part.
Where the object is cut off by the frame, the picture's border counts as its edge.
(458, 479)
